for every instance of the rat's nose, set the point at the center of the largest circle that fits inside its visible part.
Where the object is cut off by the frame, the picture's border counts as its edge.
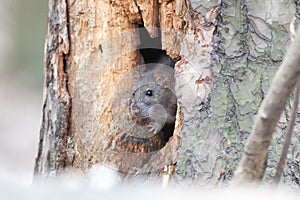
(135, 109)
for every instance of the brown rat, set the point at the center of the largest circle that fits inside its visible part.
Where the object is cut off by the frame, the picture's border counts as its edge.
(154, 97)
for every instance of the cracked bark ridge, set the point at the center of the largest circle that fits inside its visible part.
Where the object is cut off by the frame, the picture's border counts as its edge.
(253, 163)
(53, 154)
(194, 84)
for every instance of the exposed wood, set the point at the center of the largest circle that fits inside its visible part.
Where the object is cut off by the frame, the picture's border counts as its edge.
(96, 70)
(100, 84)
(173, 23)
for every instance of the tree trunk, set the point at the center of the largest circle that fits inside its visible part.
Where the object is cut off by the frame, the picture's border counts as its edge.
(226, 53)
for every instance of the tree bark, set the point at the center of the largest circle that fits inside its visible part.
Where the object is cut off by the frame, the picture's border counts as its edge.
(55, 139)
(252, 166)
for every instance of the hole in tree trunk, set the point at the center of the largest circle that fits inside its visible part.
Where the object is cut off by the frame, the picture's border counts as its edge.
(151, 50)
(137, 147)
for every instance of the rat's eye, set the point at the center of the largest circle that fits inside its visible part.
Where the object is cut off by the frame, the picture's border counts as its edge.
(149, 93)
(133, 93)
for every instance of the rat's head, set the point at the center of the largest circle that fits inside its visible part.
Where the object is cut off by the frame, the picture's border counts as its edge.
(143, 98)
(151, 89)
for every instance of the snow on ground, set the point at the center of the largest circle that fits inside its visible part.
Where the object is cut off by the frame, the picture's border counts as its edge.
(11, 189)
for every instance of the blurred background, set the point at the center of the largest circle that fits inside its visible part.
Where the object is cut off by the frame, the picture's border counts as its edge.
(22, 35)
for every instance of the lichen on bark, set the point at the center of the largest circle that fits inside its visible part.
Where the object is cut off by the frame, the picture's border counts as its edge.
(249, 44)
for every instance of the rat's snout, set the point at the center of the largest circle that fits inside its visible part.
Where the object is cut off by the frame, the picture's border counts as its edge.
(135, 109)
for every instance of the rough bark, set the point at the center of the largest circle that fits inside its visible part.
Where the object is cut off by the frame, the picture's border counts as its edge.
(249, 44)
(54, 153)
(252, 165)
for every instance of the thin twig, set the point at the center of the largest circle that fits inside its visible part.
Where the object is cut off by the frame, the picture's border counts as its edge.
(288, 139)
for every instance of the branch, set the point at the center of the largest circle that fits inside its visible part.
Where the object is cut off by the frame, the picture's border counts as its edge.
(252, 165)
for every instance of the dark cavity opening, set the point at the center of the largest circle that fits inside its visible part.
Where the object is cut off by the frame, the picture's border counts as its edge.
(151, 50)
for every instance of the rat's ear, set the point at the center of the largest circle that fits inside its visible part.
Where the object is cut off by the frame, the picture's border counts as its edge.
(161, 77)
